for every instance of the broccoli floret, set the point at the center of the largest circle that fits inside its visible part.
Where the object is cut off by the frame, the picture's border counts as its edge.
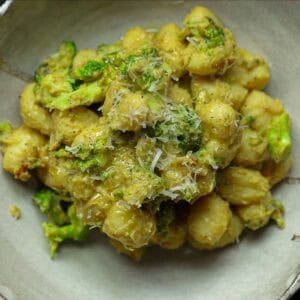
(58, 90)
(74, 231)
(147, 69)
(5, 130)
(61, 60)
(53, 86)
(90, 71)
(279, 138)
(213, 35)
(180, 125)
(86, 94)
(93, 161)
(277, 215)
(49, 203)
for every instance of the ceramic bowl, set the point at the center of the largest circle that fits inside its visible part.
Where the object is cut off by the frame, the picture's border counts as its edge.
(263, 266)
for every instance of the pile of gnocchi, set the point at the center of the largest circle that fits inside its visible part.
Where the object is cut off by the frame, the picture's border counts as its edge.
(161, 138)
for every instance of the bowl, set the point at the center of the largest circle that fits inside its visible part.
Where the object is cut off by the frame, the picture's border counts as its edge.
(263, 266)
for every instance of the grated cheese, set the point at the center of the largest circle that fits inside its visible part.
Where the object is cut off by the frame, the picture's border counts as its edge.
(156, 159)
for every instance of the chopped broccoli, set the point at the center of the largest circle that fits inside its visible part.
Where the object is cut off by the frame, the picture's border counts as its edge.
(5, 130)
(279, 138)
(207, 33)
(53, 87)
(213, 35)
(49, 203)
(207, 158)
(58, 90)
(90, 71)
(61, 60)
(91, 156)
(91, 163)
(147, 69)
(277, 215)
(181, 125)
(188, 189)
(74, 231)
(86, 94)
(62, 153)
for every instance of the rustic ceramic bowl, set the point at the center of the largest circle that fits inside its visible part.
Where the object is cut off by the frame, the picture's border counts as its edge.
(263, 266)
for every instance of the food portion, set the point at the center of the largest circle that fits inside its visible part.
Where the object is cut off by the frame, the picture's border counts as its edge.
(161, 138)
(15, 211)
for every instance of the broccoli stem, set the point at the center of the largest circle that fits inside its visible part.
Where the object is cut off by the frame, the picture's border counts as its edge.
(279, 138)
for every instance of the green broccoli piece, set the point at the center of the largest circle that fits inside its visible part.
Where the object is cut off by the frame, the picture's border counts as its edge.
(189, 190)
(49, 203)
(108, 56)
(180, 125)
(86, 94)
(5, 130)
(147, 69)
(213, 35)
(279, 137)
(58, 90)
(52, 86)
(91, 163)
(90, 71)
(74, 231)
(61, 60)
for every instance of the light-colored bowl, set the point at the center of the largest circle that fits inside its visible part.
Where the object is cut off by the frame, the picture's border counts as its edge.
(261, 267)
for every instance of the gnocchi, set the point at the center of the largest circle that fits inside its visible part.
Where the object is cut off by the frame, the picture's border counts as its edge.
(164, 137)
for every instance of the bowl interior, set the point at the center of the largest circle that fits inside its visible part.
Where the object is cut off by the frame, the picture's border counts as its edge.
(263, 264)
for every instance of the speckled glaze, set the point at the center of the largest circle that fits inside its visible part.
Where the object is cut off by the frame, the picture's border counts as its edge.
(263, 267)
